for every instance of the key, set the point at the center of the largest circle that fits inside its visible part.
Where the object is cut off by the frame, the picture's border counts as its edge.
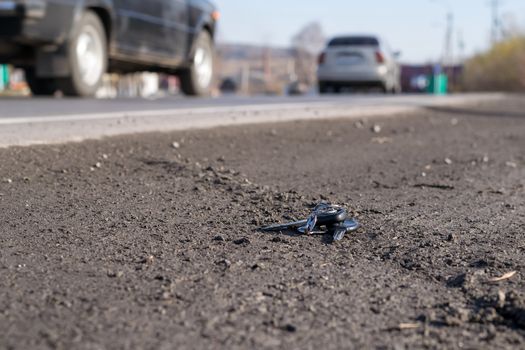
(323, 214)
(342, 228)
(284, 227)
(311, 221)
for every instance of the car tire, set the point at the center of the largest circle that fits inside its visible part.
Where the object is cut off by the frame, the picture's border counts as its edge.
(196, 80)
(323, 87)
(39, 86)
(396, 89)
(87, 57)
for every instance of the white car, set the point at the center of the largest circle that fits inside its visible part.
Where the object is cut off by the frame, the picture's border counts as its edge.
(358, 61)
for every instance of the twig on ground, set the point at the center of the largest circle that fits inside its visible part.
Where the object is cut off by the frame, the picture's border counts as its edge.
(504, 277)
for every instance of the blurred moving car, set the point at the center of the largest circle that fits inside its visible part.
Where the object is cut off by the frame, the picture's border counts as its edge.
(69, 45)
(362, 61)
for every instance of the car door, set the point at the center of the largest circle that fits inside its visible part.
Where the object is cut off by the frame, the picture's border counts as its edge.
(177, 17)
(142, 28)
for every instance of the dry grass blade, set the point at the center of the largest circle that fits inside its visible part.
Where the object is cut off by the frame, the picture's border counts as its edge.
(381, 140)
(408, 326)
(504, 277)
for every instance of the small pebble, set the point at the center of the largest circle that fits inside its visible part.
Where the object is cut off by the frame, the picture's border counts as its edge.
(243, 240)
(501, 298)
(382, 140)
(225, 262)
(258, 266)
(376, 128)
(290, 328)
(98, 164)
(448, 161)
(175, 145)
(114, 274)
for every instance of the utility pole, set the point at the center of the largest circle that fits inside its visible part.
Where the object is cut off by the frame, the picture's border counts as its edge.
(267, 66)
(494, 37)
(448, 57)
(245, 78)
(461, 46)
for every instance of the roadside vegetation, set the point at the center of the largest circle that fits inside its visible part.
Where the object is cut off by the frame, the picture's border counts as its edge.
(502, 68)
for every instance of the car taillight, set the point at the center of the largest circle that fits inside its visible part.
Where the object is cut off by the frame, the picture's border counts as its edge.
(379, 57)
(321, 58)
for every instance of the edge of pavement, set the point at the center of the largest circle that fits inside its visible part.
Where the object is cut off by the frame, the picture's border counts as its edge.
(26, 131)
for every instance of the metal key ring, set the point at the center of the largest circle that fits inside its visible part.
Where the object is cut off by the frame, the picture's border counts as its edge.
(326, 214)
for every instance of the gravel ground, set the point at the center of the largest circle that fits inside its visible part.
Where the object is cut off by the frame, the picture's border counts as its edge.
(150, 241)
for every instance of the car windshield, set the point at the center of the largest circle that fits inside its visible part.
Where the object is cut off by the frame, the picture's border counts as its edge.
(354, 41)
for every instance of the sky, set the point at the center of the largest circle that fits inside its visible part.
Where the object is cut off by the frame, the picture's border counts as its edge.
(414, 27)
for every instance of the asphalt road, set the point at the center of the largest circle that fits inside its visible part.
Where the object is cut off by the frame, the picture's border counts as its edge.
(34, 121)
(131, 243)
(53, 107)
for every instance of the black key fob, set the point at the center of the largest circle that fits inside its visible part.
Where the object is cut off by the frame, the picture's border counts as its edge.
(332, 215)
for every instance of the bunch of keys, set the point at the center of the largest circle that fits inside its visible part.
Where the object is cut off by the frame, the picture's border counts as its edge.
(333, 218)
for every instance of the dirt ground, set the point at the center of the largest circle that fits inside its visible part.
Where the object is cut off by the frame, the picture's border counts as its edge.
(151, 241)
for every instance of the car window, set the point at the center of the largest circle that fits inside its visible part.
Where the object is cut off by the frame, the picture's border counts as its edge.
(354, 41)
(386, 47)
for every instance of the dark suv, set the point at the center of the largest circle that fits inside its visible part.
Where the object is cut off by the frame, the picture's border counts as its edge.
(68, 45)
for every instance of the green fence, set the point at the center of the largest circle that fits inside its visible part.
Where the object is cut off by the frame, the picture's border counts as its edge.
(437, 84)
(4, 77)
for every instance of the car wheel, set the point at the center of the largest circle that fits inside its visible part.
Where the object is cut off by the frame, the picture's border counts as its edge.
(87, 57)
(323, 87)
(196, 80)
(396, 89)
(39, 86)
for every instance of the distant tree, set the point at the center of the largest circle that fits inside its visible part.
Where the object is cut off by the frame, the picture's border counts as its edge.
(310, 38)
(307, 44)
(502, 68)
